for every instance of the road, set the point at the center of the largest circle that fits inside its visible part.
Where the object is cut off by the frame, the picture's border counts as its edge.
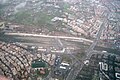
(74, 72)
(47, 40)
(78, 67)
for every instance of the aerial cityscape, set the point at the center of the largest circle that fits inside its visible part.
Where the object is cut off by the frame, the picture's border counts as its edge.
(59, 39)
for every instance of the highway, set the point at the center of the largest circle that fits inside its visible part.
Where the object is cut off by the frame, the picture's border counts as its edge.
(49, 39)
(74, 72)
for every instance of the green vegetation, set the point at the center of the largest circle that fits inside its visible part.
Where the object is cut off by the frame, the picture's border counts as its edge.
(1, 12)
(37, 64)
(23, 17)
(95, 77)
(67, 59)
(1, 9)
(26, 17)
(36, 17)
(80, 55)
(65, 7)
(42, 18)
